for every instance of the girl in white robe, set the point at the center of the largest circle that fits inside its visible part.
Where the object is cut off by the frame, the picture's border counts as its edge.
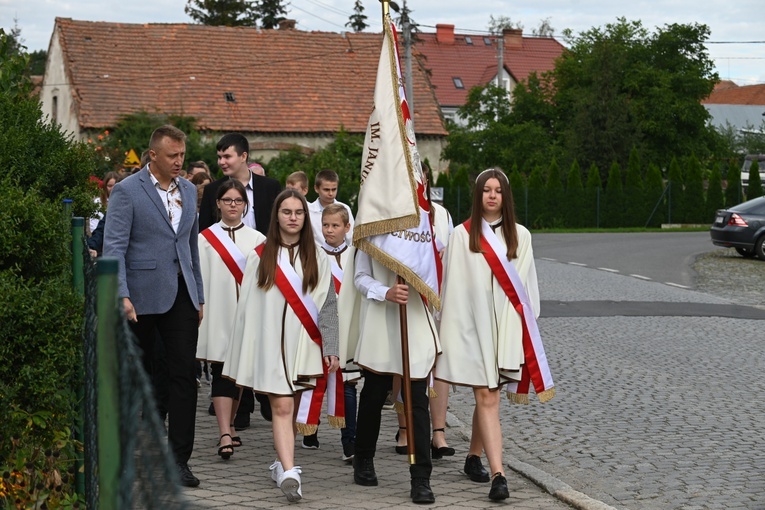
(481, 333)
(228, 240)
(271, 350)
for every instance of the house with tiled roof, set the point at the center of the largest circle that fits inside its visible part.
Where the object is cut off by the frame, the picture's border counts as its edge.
(458, 62)
(281, 88)
(742, 108)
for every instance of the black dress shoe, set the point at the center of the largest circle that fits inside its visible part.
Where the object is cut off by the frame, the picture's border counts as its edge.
(421, 492)
(475, 470)
(499, 490)
(186, 476)
(364, 472)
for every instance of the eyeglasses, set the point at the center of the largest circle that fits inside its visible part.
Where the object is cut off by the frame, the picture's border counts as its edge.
(289, 212)
(229, 201)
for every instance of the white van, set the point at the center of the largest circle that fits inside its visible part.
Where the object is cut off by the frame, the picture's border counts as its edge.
(745, 168)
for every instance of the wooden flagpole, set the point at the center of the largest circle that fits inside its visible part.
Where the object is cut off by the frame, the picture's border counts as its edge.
(406, 379)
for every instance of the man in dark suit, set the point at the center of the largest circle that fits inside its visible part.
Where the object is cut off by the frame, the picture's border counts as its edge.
(233, 154)
(151, 228)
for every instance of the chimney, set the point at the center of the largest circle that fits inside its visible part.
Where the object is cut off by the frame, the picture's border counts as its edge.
(513, 38)
(287, 24)
(444, 34)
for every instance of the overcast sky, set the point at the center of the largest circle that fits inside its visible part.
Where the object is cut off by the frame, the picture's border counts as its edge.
(730, 22)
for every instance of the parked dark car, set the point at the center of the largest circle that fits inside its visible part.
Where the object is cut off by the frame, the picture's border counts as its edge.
(742, 227)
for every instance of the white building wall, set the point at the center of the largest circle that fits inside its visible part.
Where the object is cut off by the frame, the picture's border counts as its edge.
(57, 92)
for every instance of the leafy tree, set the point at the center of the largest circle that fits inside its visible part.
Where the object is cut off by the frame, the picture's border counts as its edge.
(715, 199)
(537, 203)
(483, 142)
(270, 12)
(593, 196)
(41, 314)
(695, 209)
(134, 130)
(544, 29)
(676, 194)
(14, 78)
(498, 24)
(634, 196)
(754, 188)
(518, 187)
(461, 196)
(620, 87)
(358, 20)
(733, 193)
(654, 191)
(613, 207)
(575, 201)
(555, 208)
(37, 61)
(229, 13)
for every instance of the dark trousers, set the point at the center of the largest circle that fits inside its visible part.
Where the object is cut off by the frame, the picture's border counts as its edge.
(372, 398)
(222, 386)
(348, 433)
(178, 330)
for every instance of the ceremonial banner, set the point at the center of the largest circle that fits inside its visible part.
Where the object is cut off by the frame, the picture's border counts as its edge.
(393, 222)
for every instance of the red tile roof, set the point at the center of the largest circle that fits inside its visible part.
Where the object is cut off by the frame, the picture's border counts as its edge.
(282, 81)
(476, 64)
(749, 94)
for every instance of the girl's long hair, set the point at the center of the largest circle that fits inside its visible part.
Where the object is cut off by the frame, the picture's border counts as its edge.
(508, 212)
(306, 246)
(104, 193)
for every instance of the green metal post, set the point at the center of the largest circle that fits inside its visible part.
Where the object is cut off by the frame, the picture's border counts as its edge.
(78, 283)
(107, 384)
(78, 276)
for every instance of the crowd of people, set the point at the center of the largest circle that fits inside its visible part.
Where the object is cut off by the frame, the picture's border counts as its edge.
(267, 291)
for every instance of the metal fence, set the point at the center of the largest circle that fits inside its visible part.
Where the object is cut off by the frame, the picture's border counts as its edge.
(127, 461)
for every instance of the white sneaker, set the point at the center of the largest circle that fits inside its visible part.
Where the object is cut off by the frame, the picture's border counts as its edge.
(290, 484)
(277, 471)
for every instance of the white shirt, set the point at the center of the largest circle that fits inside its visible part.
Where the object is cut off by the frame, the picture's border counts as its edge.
(314, 212)
(249, 218)
(367, 285)
(171, 199)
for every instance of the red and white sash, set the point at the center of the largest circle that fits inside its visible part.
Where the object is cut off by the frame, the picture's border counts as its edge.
(290, 285)
(535, 369)
(337, 273)
(232, 256)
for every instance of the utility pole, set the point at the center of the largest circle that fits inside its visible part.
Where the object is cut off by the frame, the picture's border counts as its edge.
(500, 59)
(408, 66)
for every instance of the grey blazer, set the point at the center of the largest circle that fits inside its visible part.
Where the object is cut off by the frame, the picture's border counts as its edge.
(139, 234)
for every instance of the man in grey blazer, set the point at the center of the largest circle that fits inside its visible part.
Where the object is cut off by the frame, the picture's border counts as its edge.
(151, 228)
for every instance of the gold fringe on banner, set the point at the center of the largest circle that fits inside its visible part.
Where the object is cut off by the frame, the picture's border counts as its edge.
(306, 429)
(377, 228)
(398, 407)
(336, 422)
(400, 269)
(432, 392)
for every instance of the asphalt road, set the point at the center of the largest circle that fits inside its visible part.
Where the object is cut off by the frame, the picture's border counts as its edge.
(665, 257)
(658, 384)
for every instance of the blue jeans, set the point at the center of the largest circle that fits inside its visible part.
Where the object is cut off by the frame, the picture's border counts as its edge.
(348, 433)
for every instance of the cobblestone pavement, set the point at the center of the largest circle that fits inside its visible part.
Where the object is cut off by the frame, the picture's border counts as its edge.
(651, 413)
